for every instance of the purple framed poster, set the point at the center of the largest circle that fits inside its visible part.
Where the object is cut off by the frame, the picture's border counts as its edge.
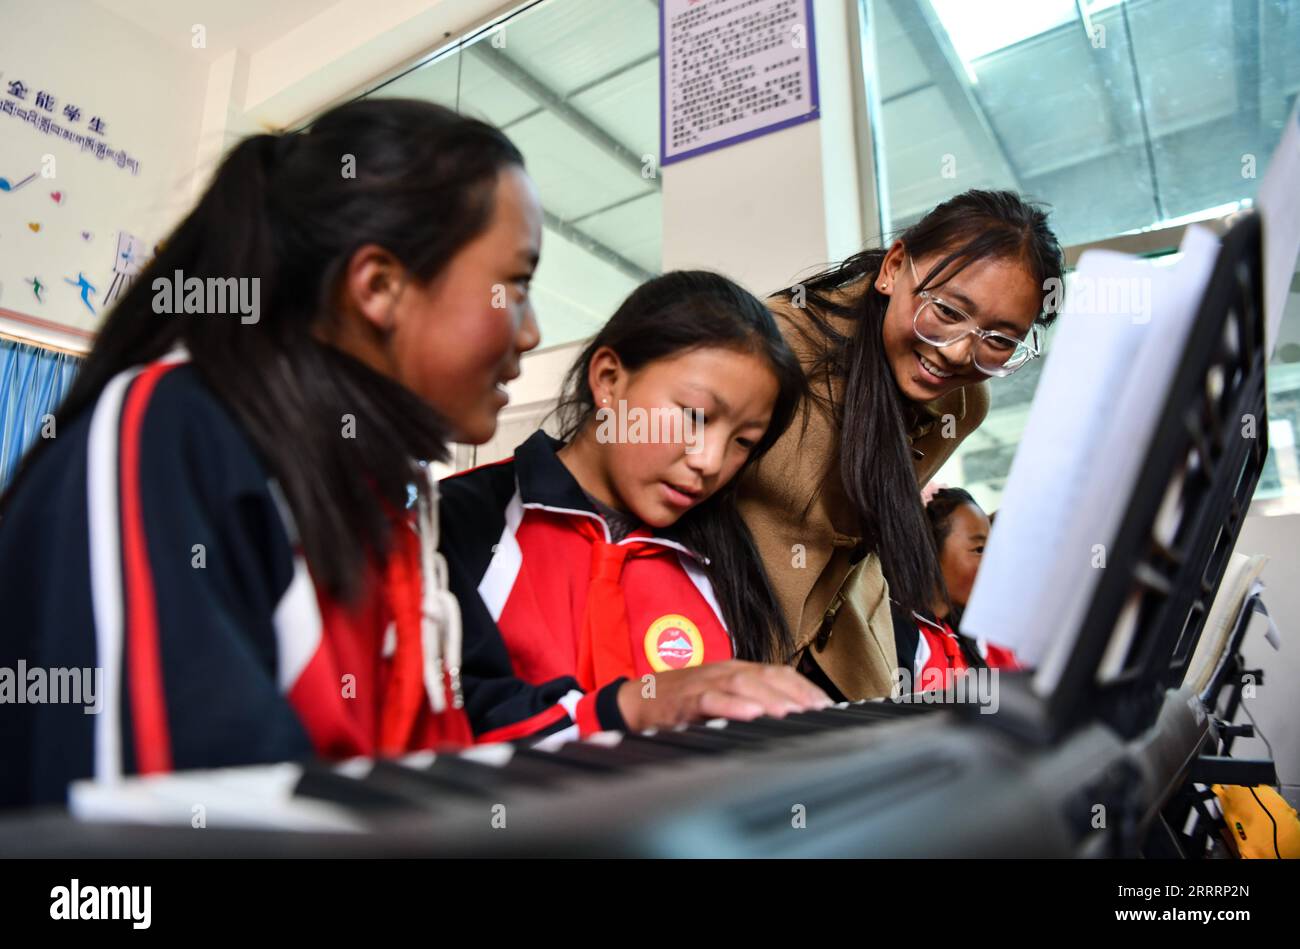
(731, 70)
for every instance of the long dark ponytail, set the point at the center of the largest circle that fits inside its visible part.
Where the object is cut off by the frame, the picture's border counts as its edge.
(289, 210)
(666, 316)
(875, 460)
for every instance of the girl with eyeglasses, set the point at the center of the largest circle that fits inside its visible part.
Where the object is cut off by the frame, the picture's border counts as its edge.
(897, 345)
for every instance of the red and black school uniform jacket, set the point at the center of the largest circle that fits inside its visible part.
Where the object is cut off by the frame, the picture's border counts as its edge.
(149, 542)
(927, 645)
(570, 606)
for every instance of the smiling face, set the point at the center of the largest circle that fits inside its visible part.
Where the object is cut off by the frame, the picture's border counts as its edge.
(457, 339)
(1000, 294)
(733, 393)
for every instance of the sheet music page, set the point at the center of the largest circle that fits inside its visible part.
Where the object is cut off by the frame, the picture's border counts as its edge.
(1122, 329)
(1175, 300)
(1279, 206)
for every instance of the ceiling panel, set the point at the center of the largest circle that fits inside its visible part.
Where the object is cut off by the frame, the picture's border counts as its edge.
(464, 78)
(1187, 64)
(574, 292)
(919, 132)
(627, 106)
(573, 175)
(634, 229)
(1068, 116)
(899, 67)
(568, 44)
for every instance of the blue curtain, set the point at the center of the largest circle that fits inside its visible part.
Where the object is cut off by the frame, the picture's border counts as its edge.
(33, 382)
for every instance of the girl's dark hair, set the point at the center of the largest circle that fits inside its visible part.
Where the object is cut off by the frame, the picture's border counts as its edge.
(667, 316)
(875, 460)
(290, 210)
(938, 511)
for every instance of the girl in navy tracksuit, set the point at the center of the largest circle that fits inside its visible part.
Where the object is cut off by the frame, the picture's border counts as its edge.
(219, 535)
(615, 553)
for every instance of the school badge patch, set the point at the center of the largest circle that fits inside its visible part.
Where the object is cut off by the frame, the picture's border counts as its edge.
(673, 642)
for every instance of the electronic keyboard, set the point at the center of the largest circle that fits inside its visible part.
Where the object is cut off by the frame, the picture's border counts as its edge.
(878, 778)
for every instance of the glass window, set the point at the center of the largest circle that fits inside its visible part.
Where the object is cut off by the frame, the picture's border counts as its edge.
(1123, 115)
(575, 84)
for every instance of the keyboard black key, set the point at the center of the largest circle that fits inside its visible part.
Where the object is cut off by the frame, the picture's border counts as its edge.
(634, 752)
(322, 783)
(891, 710)
(489, 779)
(706, 739)
(727, 737)
(838, 717)
(596, 757)
(564, 766)
(426, 780)
(687, 744)
(772, 728)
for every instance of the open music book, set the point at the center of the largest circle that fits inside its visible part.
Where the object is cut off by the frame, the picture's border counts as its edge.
(1124, 323)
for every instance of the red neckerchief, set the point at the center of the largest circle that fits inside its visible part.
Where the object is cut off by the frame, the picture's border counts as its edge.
(604, 648)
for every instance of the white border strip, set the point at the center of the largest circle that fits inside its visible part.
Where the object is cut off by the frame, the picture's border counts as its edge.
(103, 517)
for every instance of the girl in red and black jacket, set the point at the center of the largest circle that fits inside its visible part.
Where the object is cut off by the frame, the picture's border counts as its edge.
(613, 557)
(928, 644)
(219, 537)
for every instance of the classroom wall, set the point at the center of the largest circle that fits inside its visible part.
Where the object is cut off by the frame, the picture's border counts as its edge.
(145, 91)
(768, 210)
